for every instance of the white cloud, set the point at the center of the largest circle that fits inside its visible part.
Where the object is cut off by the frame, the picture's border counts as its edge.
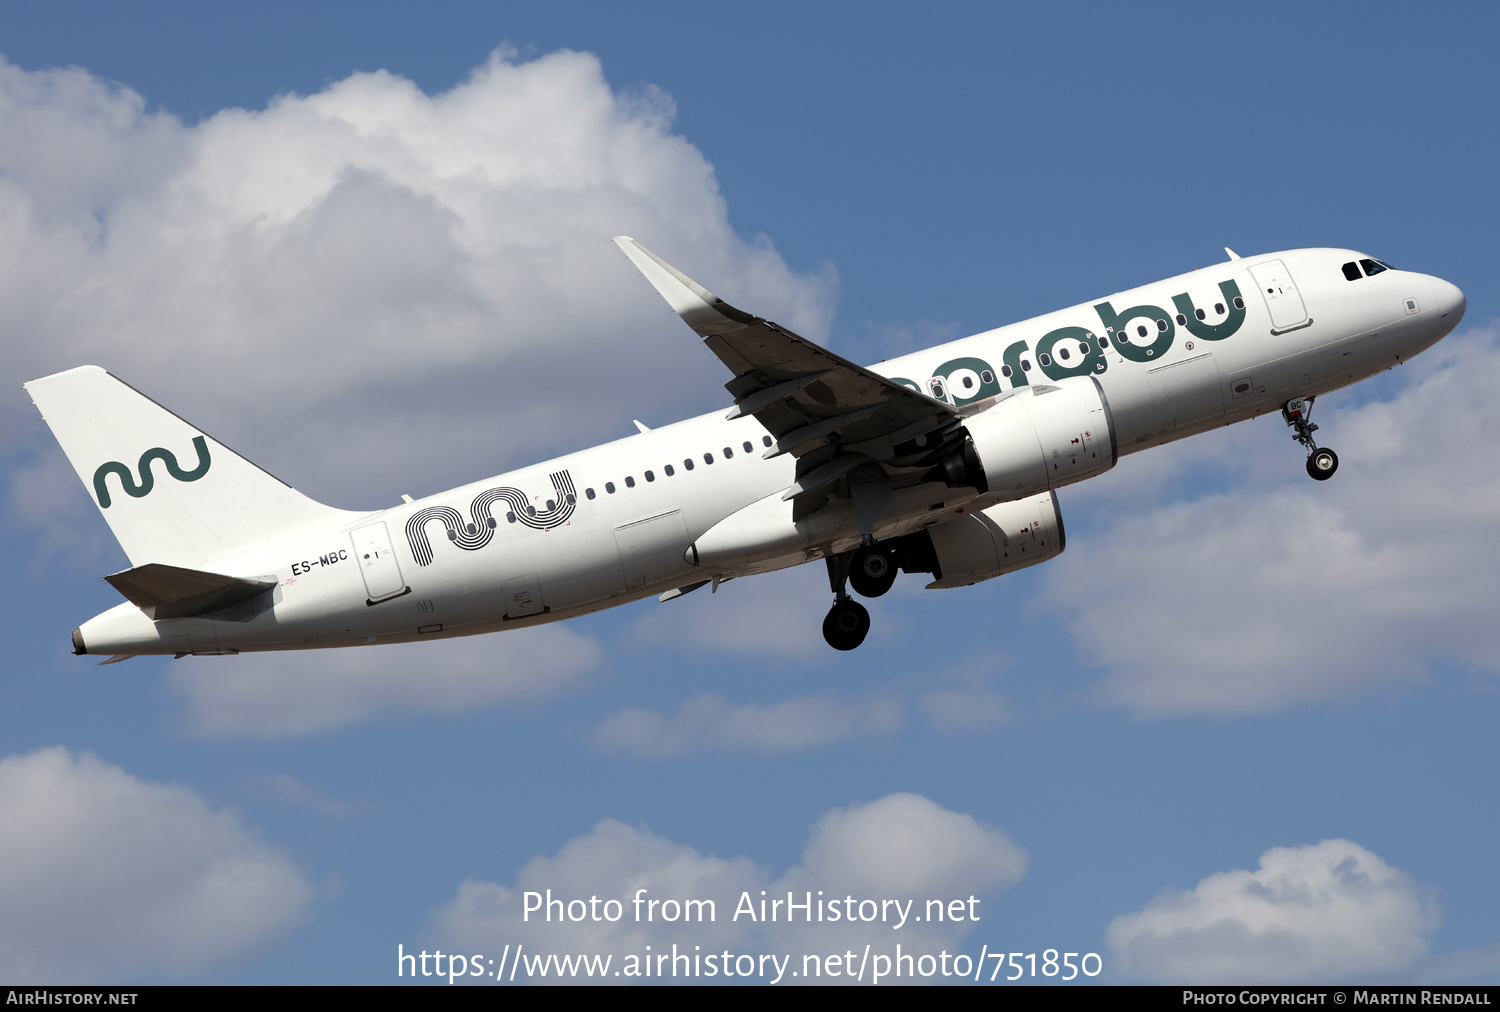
(1325, 913)
(103, 876)
(907, 845)
(371, 290)
(710, 723)
(612, 861)
(964, 709)
(969, 703)
(1282, 590)
(278, 694)
(900, 847)
(289, 790)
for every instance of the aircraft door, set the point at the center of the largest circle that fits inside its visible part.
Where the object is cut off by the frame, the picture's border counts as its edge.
(1281, 295)
(1186, 392)
(377, 561)
(651, 548)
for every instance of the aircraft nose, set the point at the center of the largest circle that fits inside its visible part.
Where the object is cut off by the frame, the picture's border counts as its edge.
(1450, 302)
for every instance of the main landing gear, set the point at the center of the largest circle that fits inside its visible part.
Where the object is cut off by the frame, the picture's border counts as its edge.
(1321, 461)
(870, 570)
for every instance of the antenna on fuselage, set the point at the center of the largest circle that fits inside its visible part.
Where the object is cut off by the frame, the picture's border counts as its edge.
(1232, 254)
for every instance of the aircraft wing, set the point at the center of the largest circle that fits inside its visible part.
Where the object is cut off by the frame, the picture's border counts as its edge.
(816, 405)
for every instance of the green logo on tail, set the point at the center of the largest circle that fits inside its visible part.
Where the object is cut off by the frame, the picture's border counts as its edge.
(148, 481)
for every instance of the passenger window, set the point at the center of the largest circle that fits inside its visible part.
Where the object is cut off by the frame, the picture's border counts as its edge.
(551, 505)
(987, 376)
(1219, 308)
(1062, 353)
(1103, 342)
(1005, 371)
(1025, 366)
(1351, 271)
(1161, 325)
(572, 499)
(687, 462)
(609, 487)
(1372, 267)
(669, 470)
(492, 523)
(1044, 358)
(1181, 320)
(1083, 348)
(1141, 330)
(937, 390)
(629, 481)
(766, 440)
(1200, 314)
(650, 475)
(510, 517)
(728, 452)
(708, 458)
(968, 383)
(748, 446)
(531, 511)
(589, 492)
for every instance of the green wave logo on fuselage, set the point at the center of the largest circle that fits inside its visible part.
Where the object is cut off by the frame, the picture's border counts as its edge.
(1079, 351)
(148, 481)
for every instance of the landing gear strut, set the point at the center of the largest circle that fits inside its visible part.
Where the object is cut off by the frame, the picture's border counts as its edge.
(1321, 461)
(848, 623)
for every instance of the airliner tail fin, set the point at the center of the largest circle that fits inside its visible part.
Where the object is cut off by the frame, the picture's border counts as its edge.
(171, 493)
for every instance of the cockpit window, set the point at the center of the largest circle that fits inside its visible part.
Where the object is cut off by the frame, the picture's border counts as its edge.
(1373, 267)
(1351, 271)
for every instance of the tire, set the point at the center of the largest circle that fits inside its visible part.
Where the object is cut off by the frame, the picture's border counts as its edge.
(872, 571)
(1322, 464)
(847, 625)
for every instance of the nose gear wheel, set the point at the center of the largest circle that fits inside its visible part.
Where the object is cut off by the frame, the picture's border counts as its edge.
(1321, 464)
(1321, 461)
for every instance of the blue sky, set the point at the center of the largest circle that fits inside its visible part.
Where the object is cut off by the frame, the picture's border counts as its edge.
(880, 178)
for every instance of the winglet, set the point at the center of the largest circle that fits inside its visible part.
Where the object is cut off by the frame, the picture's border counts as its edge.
(691, 301)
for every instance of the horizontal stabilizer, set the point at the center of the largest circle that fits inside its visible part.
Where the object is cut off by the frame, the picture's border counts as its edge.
(171, 592)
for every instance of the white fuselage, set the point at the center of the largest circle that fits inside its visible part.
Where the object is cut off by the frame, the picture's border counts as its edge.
(639, 503)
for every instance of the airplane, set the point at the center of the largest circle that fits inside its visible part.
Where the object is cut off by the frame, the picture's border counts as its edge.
(945, 462)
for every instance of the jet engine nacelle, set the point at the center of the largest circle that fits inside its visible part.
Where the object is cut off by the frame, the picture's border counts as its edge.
(995, 541)
(1038, 438)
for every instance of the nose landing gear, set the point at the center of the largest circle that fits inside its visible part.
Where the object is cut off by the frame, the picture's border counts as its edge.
(1321, 461)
